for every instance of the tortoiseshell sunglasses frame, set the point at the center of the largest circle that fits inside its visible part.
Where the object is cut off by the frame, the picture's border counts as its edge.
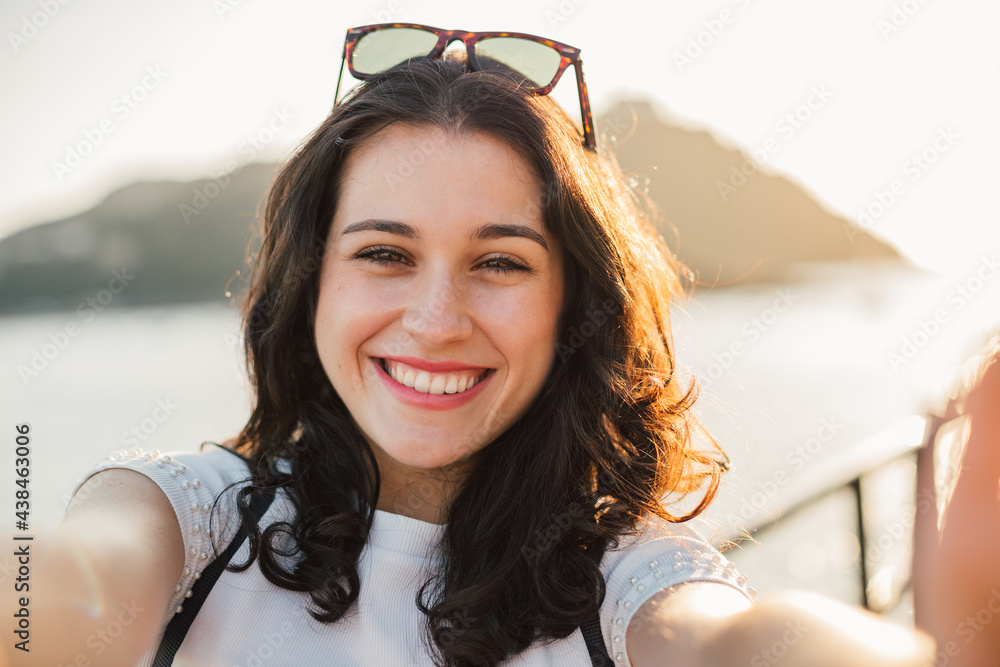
(568, 55)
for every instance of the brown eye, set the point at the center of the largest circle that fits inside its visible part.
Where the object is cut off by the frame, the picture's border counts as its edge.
(504, 264)
(380, 255)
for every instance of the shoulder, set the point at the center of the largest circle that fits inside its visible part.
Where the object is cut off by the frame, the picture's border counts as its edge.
(193, 484)
(655, 562)
(185, 478)
(662, 554)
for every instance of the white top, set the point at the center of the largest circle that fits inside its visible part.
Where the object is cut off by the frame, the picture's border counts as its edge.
(248, 621)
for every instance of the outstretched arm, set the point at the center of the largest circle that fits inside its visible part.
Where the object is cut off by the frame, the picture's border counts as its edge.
(705, 624)
(100, 581)
(961, 580)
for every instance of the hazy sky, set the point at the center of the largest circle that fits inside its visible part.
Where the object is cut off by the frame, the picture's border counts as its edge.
(888, 106)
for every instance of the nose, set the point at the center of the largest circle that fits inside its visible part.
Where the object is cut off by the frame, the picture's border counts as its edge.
(436, 314)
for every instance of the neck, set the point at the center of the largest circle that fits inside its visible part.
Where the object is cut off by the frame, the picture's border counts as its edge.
(423, 494)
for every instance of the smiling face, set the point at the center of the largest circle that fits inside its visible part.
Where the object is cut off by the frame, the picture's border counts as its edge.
(437, 269)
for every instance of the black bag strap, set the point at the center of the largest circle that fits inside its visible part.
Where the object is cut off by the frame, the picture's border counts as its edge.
(595, 642)
(178, 627)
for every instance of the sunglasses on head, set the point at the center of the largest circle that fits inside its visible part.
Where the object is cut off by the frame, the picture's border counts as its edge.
(371, 49)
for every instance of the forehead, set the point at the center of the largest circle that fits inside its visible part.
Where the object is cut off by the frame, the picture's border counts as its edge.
(428, 175)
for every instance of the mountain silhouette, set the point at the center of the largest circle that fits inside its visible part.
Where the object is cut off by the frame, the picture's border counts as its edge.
(727, 226)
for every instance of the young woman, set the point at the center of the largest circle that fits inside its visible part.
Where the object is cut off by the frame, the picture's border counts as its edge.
(469, 444)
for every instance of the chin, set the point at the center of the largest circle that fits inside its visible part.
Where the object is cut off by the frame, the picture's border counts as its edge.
(425, 454)
(424, 460)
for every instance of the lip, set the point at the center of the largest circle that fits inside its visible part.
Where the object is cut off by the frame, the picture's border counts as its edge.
(435, 366)
(416, 399)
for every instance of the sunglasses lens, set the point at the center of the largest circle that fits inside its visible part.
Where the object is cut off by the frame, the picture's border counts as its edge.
(534, 60)
(379, 50)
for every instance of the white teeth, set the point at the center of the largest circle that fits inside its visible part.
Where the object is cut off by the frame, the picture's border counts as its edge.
(409, 378)
(438, 383)
(432, 383)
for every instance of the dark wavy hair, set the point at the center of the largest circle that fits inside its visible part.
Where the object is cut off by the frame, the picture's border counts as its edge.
(607, 441)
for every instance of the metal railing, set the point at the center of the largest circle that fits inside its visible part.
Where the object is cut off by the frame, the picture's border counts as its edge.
(912, 436)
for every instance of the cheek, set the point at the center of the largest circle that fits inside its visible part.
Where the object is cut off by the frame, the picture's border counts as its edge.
(526, 333)
(343, 319)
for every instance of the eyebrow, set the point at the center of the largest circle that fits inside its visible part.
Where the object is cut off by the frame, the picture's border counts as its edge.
(483, 233)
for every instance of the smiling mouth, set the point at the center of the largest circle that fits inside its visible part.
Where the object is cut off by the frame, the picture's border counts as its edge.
(425, 382)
